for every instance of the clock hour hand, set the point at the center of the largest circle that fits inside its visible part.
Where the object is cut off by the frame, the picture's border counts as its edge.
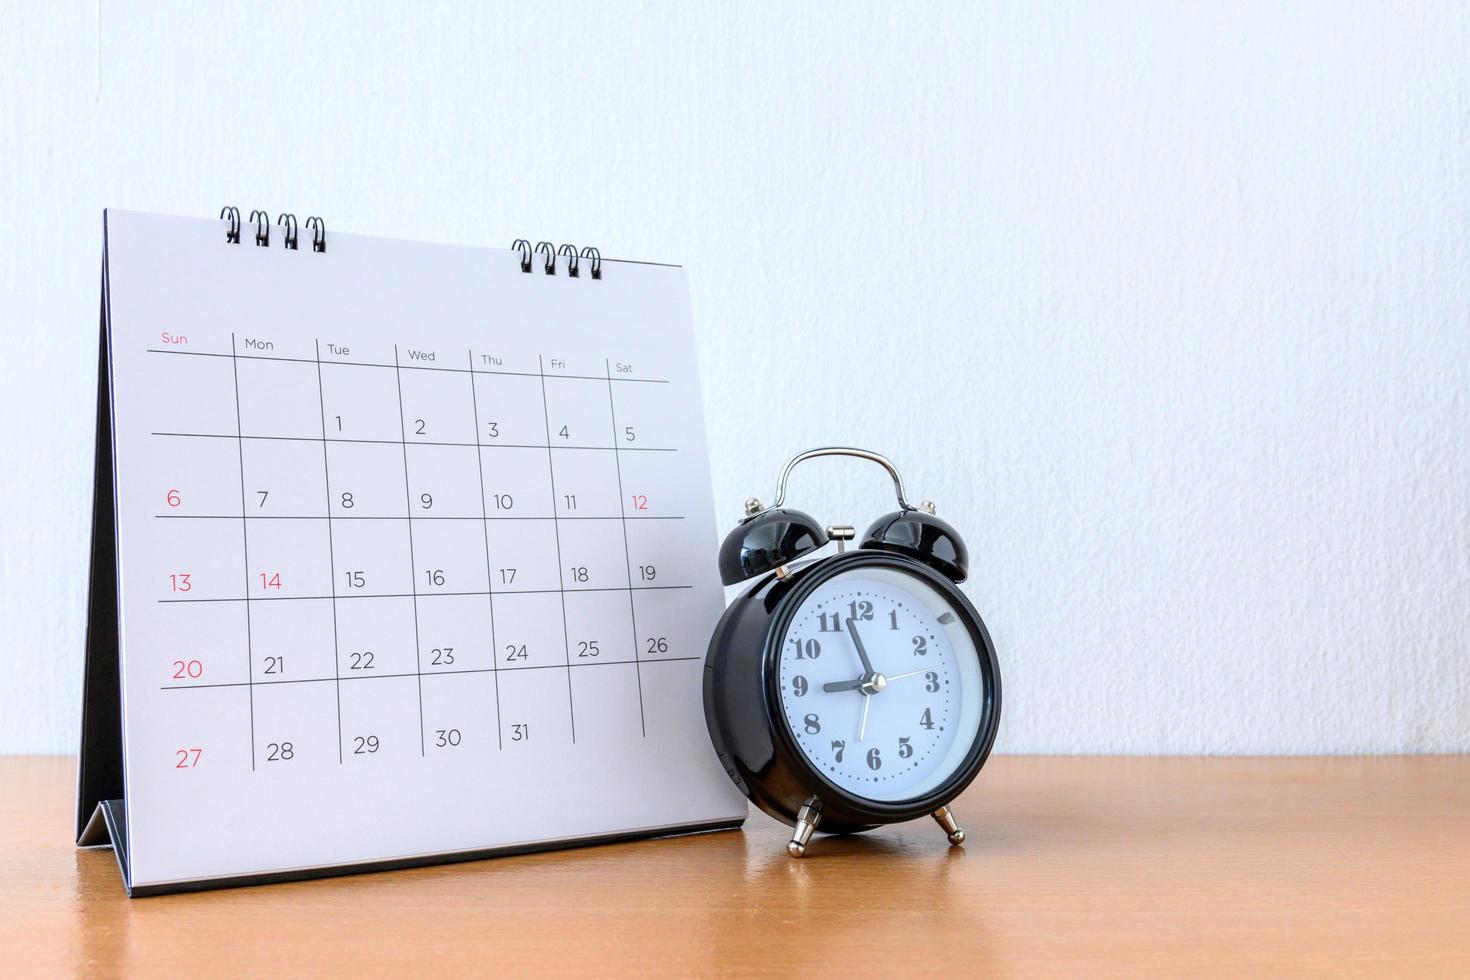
(857, 641)
(834, 686)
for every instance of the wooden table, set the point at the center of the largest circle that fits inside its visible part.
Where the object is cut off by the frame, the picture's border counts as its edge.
(1073, 866)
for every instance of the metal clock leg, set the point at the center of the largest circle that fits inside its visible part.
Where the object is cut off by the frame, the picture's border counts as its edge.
(807, 819)
(945, 817)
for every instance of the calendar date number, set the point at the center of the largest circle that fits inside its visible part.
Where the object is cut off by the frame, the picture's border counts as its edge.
(188, 670)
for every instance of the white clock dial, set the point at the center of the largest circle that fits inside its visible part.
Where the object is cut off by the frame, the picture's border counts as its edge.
(881, 684)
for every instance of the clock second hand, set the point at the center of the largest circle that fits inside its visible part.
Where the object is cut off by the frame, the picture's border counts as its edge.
(857, 685)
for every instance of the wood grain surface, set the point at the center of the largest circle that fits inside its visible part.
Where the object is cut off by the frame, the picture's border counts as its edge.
(1074, 866)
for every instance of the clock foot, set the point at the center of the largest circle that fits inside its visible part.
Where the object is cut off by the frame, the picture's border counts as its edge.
(945, 817)
(807, 819)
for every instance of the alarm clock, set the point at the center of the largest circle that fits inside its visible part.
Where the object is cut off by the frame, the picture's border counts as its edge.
(856, 689)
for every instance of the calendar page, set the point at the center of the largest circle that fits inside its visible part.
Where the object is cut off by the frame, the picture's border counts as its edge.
(415, 552)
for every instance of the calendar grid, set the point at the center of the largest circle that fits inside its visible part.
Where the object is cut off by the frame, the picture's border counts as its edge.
(556, 527)
(334, 596)
(413, 579)
(489, 577)
(245, 542)
(331, 548)
(627, 552)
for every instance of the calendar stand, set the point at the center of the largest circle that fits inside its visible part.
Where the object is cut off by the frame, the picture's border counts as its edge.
(100, 810)
(375, 576)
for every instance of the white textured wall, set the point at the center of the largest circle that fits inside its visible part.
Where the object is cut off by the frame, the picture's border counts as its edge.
(1166, 307)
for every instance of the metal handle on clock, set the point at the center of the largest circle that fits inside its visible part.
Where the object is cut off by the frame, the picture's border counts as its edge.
(882, 461)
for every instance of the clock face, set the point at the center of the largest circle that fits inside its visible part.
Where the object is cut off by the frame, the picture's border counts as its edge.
(880, 683)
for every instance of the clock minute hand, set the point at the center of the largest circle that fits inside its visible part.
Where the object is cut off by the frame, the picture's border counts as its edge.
(857, 641)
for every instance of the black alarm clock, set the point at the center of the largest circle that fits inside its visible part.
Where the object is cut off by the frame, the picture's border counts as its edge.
(856, 689)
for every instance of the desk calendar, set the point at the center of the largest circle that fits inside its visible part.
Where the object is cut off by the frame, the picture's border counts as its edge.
(401, 554)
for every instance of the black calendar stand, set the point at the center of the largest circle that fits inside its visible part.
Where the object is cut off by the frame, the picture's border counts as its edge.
(100, 778)
(101, 810)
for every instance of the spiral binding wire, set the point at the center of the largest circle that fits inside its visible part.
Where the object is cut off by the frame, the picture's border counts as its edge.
(232, 235)
(591, 252)
(570, 251)
(573, 258)
(291, 238)
(318, 233)
(524, 247)
(288, 222)
(262, 227)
